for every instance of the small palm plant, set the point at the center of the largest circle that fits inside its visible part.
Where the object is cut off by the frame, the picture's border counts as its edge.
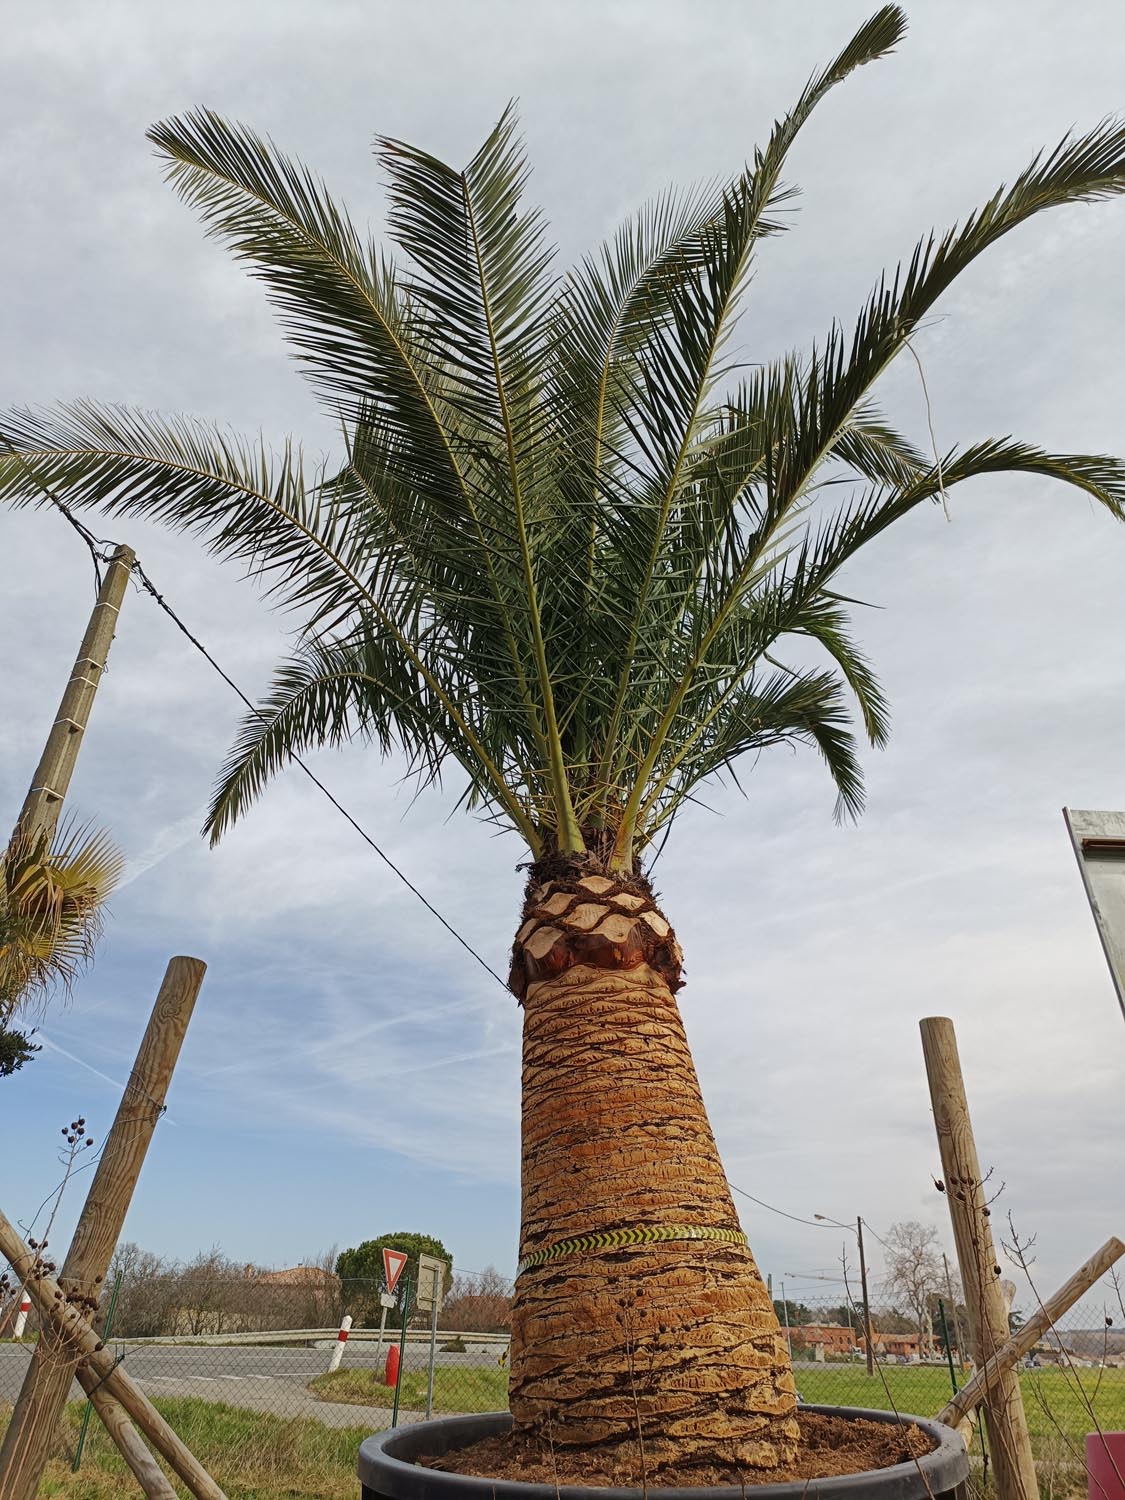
(566, 555)
(53, 889)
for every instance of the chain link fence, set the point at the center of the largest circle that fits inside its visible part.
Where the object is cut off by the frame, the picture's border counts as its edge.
(1073, 1379)
(242, 1365)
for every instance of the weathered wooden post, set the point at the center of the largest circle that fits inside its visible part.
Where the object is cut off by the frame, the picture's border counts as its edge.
(27, 1442)
(99, 1374)
(1028, 1334)
(1009, 1440)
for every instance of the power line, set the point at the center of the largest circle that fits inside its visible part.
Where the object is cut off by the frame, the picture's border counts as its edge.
(820, 1222)
(795, 1217)
(879, 1237)
(151, 588)
(96, 547)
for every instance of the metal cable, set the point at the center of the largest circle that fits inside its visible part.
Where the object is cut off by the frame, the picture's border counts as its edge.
(99, 553)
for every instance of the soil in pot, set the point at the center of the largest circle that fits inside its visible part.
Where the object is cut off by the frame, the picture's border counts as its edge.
(829, 1446)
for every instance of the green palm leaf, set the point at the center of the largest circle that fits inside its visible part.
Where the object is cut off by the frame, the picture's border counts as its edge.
(567, 550)
(52, 898)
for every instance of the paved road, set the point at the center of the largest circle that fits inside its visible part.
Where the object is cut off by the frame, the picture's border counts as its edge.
(259, 1377)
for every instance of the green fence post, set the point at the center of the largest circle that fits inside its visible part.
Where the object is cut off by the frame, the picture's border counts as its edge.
(89, 1404)
(948, 1346)
(401, 1346)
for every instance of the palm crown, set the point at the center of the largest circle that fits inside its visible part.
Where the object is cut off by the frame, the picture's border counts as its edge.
(53, 890)
(569, 539)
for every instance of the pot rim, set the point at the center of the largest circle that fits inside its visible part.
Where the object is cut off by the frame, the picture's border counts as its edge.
(944, 1467)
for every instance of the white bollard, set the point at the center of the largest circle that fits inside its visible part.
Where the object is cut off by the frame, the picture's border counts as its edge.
(21, 1316)
(341, 1340)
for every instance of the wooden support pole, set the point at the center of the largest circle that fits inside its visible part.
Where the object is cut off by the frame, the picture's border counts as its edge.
(1009, 1440)
(49, 785)
(98, 1370)
(146, 1471)
(1026, 1337)
(27, 1442)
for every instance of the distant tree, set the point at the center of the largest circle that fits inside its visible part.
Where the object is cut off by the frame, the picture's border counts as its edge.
(361, 1270)
(798, 1312)
(891, 1320)
(844, 1314)
(16, 1048)
(479, 1303)
(914, 1271)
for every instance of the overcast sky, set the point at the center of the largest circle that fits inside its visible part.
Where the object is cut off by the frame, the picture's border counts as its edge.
(348, 1070)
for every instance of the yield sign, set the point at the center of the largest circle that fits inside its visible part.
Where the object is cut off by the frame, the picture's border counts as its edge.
(393, 1262)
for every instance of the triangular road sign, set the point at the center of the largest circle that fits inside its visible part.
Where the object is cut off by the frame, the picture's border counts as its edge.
(393, 1262)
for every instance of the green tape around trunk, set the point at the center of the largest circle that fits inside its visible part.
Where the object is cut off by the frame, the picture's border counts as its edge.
(616, 1239)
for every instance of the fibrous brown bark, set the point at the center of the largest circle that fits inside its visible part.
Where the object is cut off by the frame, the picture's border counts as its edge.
(675, 1336)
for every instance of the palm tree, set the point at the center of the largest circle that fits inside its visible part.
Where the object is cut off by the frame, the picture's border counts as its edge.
(53, 889)
(566, 555)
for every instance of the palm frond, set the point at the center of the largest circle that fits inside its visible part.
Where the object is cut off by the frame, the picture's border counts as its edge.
(247, 505)
(484, 284)
(363, 687)
(569, 547)
(52, 897)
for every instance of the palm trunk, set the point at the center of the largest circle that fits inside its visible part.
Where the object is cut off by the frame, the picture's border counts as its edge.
(639, 1312)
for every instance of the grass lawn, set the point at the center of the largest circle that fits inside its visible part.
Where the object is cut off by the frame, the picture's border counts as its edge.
(460, 1389)
(253, 1456)
(1055, 1410)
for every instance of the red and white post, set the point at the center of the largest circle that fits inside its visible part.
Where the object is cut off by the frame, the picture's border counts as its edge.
(21, 1316)
(341, 1340)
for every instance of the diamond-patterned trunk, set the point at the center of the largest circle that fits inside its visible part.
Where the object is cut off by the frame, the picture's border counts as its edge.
(673, 1336)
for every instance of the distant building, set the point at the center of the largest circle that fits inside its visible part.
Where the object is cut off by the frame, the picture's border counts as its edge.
(257, 1301)
(833, 1339)
(312, 1278)
(894, 1345)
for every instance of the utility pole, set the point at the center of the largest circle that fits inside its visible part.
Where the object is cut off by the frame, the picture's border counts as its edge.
(41, 808)
(867, 1338)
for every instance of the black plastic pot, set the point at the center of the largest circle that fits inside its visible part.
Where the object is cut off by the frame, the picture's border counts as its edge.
(388, 1471)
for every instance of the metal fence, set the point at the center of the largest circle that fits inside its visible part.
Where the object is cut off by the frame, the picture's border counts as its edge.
(241, 1368)
(1073, 1380)
(247, 1344)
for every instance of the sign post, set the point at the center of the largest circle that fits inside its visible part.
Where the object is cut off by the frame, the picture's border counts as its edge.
(393, 1262)
(1099, 847)
(401, 1346)
(431, 1284)
(387, 1302)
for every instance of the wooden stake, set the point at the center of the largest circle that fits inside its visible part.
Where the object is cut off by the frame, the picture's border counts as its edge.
(1009, 1440)
(98, 1371)
(147, 1472)
(42, 805)
(27, 1443)
(1031, 1332)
